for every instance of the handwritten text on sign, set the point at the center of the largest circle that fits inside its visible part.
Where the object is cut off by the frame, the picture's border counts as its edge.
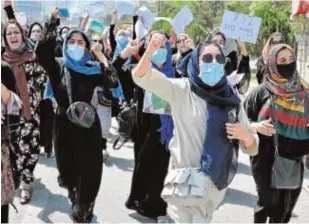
(240, 26)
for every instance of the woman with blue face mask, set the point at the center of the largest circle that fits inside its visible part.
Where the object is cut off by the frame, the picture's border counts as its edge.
(78, 150)
(210, 125)
(234, 61)
(152, 136)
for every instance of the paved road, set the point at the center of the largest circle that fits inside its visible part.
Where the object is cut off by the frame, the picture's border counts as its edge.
(50, 204)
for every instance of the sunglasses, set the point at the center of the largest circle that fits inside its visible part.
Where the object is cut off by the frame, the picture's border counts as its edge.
(98, 41)
(277, 42)
(208, 58)
(182, 40)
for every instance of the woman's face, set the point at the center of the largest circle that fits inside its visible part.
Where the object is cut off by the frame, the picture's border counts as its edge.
(210, 54)
(77, 39)
(14, 37)
(284, 57)
(181, 44)
(97, 39)
(36, 32)
(65, 31)
(218, 39)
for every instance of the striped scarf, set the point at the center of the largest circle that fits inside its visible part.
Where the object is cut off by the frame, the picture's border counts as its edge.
(291, 101)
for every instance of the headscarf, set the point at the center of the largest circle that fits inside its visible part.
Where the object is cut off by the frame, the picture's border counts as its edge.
(16, 59)
(118, 92)
(84, 66)
(32, 42)
(217, 158)
(167, 124)
(290, 98)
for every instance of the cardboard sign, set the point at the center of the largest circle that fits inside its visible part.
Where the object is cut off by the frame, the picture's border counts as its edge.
(21, 18)
(241, 27)
(64, 13)
(181, 20)
(124, 7)
(96, 27)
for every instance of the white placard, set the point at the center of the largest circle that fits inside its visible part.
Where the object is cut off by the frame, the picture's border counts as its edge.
(90, 7)
(140, 29)
(146, 16)
(181, 20)
(241, 27)
(124, 7)
(21, 18)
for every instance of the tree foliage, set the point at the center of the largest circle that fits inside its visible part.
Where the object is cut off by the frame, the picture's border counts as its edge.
(208, 15)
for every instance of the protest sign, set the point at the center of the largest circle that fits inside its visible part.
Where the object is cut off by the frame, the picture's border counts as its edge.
(90, 7)
(64, 13)
(241, 27)
(181, 20)
(140, 29)
(21, 18)
(96, 27)
(146, 16)
(155, 105)
(124, 7)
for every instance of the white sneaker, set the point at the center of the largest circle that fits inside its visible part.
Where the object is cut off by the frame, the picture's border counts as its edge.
(105, 155)
(162, 219)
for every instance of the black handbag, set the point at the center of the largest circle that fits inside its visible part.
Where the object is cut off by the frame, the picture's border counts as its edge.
(126, 120)
(102, 99)
(286, 173)
(80, 113)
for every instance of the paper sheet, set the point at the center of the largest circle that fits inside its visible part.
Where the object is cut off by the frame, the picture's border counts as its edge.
(146, 16)
(181, 20)
(124, 7)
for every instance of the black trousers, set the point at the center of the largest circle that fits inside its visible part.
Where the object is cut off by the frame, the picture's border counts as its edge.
(79, 158)
(148, 178)
(5, 214)
(281, 208)
(46, 125)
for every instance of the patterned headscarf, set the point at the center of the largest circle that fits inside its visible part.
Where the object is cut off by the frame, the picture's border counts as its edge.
(290, 98)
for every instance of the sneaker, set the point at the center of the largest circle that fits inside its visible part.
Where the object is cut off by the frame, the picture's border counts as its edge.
(105, 155)
(162, 219)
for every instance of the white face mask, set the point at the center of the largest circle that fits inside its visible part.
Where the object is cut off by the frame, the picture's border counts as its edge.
(63, 35)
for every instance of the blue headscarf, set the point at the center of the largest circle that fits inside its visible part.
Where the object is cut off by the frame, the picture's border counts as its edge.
(48, 93)
(217, 158)
(118, 92)
(167, 124)
(84, 66)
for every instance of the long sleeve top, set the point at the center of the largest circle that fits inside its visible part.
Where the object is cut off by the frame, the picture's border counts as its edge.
(189, 116)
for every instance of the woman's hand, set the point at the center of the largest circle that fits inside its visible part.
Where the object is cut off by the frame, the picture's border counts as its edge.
(7, 3)
(132, 47)
(5, 94)
(157, 40)
(55, 13)
(242, 46)
(264, 127)
(239, 132)
(96, 50)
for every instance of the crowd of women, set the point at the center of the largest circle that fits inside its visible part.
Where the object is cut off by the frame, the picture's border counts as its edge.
(61, 87)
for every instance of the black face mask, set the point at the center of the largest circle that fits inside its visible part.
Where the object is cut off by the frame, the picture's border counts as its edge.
(287, 70)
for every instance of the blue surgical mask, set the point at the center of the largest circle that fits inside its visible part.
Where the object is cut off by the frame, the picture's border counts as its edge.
(122, 40)
(160, 56)
(76, 52)
(211, 73)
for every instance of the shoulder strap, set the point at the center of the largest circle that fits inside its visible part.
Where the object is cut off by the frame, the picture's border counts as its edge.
(68, 84)
(237, 113)
(274, 121)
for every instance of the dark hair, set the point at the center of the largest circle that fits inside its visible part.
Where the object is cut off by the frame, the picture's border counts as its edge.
(216, 33)
(62, 28)
(31, 27)
(204, 44)
(86, 39)
(20, 29)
